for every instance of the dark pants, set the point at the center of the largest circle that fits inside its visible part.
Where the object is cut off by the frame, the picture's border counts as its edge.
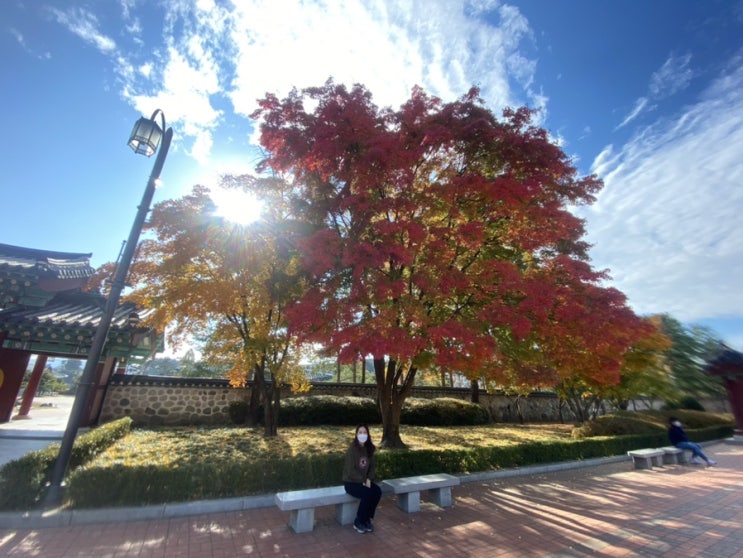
(369, 497)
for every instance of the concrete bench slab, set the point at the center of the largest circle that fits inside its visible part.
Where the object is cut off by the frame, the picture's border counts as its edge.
(674, 456)
(302, 504)
(647, 458)
(408, 490)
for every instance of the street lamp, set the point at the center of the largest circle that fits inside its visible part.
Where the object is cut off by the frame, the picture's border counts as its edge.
(145, 138)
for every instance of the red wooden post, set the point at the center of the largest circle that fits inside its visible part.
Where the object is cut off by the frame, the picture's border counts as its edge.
(729, 365)
(33, 385)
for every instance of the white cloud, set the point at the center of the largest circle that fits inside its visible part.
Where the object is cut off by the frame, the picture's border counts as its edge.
(85, 25)
(237, 54)
(444, 46)
(190, 77)
(667, 222)
(673, 76)
(640, 105)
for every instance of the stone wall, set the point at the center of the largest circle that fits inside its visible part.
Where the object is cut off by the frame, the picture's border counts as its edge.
(156, 401)
(163, 401)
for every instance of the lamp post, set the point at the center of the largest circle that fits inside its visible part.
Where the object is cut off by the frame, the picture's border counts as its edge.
(144, 139)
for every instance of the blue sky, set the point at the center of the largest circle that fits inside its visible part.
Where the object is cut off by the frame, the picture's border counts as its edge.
(647, 94)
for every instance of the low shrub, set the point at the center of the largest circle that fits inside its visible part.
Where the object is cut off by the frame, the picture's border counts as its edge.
(442, 411)
(623, 423)
(238, 411)
(686, 402)
(23, 481)
(345, 411)
(649, 422)
(691, 403)
(328, 409)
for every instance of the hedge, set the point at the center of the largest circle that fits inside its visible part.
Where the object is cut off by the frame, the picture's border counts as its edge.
(23, 481)
(142, 485)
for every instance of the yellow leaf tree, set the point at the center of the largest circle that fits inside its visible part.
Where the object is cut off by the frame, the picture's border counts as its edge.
(228, 284)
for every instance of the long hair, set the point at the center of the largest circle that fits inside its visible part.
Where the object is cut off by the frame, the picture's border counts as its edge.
(369, 445)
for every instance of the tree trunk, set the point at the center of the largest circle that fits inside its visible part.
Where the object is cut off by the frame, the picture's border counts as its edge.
(475, 392)
(254, 407)
(272, 408)
(391, 395)
(271, 396)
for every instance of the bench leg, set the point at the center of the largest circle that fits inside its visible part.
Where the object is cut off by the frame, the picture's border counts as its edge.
(441, 496)
(346, 513)
(409, 502)
(642, 462)
(684, 457)
(302, 521)
(657, 461)
(670, 459)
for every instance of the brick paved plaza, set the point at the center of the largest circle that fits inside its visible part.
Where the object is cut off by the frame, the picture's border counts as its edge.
(605, 510)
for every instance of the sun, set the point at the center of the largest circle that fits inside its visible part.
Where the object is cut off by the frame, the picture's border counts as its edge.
(236, 206)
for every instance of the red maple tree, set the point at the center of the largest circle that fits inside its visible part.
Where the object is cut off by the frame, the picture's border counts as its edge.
(441, 235)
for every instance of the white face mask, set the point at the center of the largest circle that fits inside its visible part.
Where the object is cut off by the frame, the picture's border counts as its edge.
(676, 423)
(362, 438)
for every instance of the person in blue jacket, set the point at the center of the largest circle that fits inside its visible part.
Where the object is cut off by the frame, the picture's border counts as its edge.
(358, 475)
(678, 438)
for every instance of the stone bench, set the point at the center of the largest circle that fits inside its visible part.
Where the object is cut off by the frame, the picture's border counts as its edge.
(408, 490)
(647, 458)
(302, 504)
(674, 456)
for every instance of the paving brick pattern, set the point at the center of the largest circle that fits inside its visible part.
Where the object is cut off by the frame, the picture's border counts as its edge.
(607, 510)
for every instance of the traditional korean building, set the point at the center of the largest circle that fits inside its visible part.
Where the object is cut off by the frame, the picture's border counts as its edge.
(728, 365)
(45, 312)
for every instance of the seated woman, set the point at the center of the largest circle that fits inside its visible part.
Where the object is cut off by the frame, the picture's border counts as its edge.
(358, 474)
(679, 439)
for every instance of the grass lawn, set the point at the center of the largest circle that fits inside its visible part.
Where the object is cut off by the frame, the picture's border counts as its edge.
(169, 447)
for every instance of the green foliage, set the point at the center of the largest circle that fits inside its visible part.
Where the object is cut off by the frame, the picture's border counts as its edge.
(443, 411)
(687, 402)
(48, 383)
(620, 424)
(648, 423)
(344, 410)
(238, 411)
(23, 481)
(152, 484)
(328, 409)
(691, 348)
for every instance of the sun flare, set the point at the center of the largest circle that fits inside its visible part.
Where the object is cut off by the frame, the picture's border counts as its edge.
(237, 206)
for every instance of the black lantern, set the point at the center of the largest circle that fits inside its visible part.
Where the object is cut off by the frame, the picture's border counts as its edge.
(146, 134)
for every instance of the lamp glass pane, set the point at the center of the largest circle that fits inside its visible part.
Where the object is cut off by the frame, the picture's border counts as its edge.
(145, 137)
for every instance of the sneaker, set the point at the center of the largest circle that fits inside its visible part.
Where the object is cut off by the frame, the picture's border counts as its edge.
(368, 527)
(711, 462)
(360, 528)
(696, 461)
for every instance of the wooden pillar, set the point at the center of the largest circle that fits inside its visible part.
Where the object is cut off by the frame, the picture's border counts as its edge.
(13, 365)
(33, 385)
(729, 366)
(734, 387)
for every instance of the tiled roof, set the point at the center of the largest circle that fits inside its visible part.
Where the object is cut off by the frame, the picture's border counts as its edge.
(79, 310)
(46, 263)
(727, 362)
